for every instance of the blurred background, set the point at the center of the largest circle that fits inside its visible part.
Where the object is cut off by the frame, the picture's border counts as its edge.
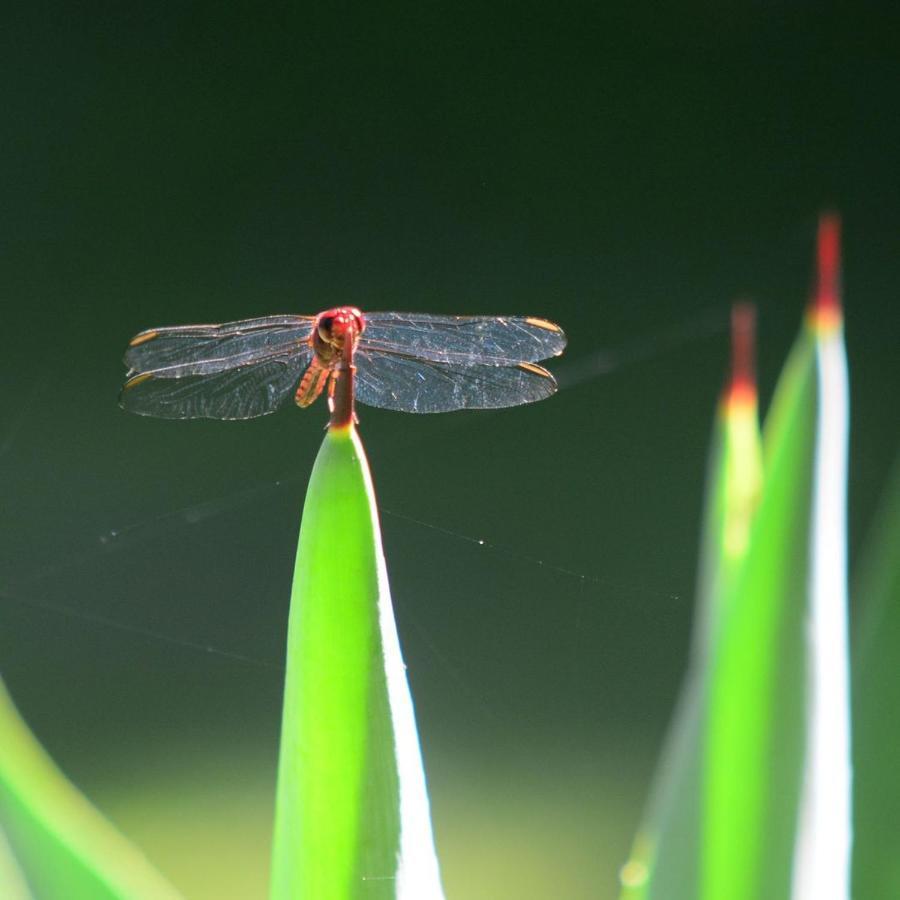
(624, 172)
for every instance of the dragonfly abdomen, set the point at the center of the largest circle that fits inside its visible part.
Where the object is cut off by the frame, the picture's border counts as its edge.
(311, 384)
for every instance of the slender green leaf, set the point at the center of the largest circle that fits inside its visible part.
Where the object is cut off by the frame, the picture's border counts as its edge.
(754, 796)
(352, 817)
(821, 864)
(12, 879)
(752, 765)
(778, 772)
(60, 845)
(876, 693)
(665, 859)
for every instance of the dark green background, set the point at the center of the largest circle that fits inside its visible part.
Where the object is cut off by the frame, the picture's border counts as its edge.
(627, 173)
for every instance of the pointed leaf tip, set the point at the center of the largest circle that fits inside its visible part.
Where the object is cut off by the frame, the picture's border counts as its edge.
(826, 301)
(351, 811)
(742, 387)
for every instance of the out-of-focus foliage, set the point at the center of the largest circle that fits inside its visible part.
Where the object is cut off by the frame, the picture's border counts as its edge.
(753, 792)
(876, 696)
(665, 851)
(53, 844)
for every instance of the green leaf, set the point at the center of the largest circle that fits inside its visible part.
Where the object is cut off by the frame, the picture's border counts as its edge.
(777, 805)
(754, 732)
(876, 693)
(12, 879)
(52, 839)
(665, 859)
(753, 799)
(352, 816)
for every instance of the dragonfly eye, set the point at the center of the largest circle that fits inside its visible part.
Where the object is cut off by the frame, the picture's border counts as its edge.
(325, 326)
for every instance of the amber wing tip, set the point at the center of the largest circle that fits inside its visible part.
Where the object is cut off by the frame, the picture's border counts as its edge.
(552, 327)
(135, 380)
(535, 369)
(546, 324)
(143, 337)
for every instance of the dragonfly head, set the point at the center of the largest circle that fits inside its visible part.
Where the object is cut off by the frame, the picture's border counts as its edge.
(334, 325)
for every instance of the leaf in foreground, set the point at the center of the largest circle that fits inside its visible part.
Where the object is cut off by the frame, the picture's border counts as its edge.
(52, 839)
(352, 815)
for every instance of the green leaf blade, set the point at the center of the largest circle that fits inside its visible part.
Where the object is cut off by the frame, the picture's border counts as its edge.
(756, 779)
(778, 787)
(822, 859)
(62, 847)
(876, 693)
(666, 860)
(352, 814)
(755, 702)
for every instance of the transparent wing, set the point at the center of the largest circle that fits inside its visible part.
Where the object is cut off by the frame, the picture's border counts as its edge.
(464, 340)
(203, 349)
(242, 392)
(414, 385)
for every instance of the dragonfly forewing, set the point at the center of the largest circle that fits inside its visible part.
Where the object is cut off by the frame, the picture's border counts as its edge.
(204, 349)
(463, 340)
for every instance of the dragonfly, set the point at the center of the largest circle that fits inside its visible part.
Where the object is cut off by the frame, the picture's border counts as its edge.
(412, 362)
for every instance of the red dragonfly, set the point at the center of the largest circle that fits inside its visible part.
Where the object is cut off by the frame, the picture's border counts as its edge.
(412, 362)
